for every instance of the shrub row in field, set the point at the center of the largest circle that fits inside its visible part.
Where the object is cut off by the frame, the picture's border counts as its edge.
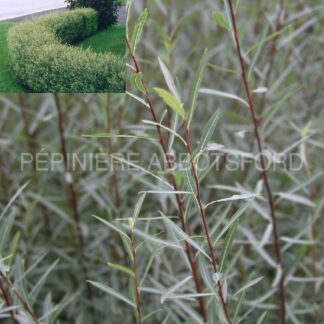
(44, 60)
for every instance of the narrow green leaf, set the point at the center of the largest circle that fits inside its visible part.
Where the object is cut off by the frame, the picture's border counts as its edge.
(13, 247)
(113, 227)
(5, 230)
(136, 80)
(248, 285)
(138, 29)
(174, 288)
(223, 94)
(111, 292)
(173, 102)
(13, 199)
(239, 302)
(111, 135)
(120, 267)
(262, 317)
(257, 53)
(267, 39)
(221, 20)
(139, 82)
(195, 87)
(183, 236)
(37, 287)
(207, 132)
(169, 79)
(228, 244)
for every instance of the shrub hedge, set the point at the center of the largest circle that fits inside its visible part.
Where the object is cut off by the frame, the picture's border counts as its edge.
(44, 60)
(107, 9)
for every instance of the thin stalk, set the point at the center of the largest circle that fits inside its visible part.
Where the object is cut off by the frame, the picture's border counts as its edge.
(314, 262)
(23, 302)
(273, 50)
(115, 181)
(205, 225)
(179, 198)
(264, 174)
(137, 292)
(29, 137)
(71, 191)
(111, 151)
(73, 202)
(31, 140)
(7, 302)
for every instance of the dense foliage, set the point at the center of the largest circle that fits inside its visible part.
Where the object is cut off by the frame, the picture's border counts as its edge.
(8, 82)
(43, 61)
(108, 10)
(110, 240)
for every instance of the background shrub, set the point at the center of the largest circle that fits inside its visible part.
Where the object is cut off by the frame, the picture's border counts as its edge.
(43, 61)
(108, 10)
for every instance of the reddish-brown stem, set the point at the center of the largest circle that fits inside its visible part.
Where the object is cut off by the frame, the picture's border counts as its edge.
(111, 151)
(179, 198)
(24, 105)
(314, 257)
(23, 302)
(70, 186)
(72, 200)
(273, 50)
(204, 220)
(7, 302)
(115, 181)
(29, 138)
(264, 174)
(137, 292)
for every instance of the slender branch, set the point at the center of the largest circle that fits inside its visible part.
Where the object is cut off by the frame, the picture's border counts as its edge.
(71, 190)
(29, 137)
(31, 140)
(111, 151)
(7, 302)
(205, 225)
(73, 202)
(264, 174)
(115, 180)
(137, 292)
(23, 302)
(273, 50)
(179, 198)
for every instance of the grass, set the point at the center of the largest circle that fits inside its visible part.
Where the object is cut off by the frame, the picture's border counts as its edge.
(110, 40)
(8, 82)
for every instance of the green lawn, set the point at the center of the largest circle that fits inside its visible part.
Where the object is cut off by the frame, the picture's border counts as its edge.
(110, 40)
(8, 81)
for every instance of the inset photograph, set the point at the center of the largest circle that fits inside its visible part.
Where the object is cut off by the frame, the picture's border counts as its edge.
(62, 46)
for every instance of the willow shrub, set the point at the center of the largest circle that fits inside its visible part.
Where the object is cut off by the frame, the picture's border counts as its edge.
(44, 60)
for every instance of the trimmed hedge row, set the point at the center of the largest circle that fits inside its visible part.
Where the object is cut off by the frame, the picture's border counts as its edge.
(44, 61)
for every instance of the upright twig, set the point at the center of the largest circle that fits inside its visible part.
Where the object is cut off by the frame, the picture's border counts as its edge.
(111, 151)
(264, 174)
(8, 303)
(273, 51)
(179, 198)
(137, 291)
(115, 180)
(21, 299)
(204, 220)
(31, 140)
(71, 191)
(72, 200)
